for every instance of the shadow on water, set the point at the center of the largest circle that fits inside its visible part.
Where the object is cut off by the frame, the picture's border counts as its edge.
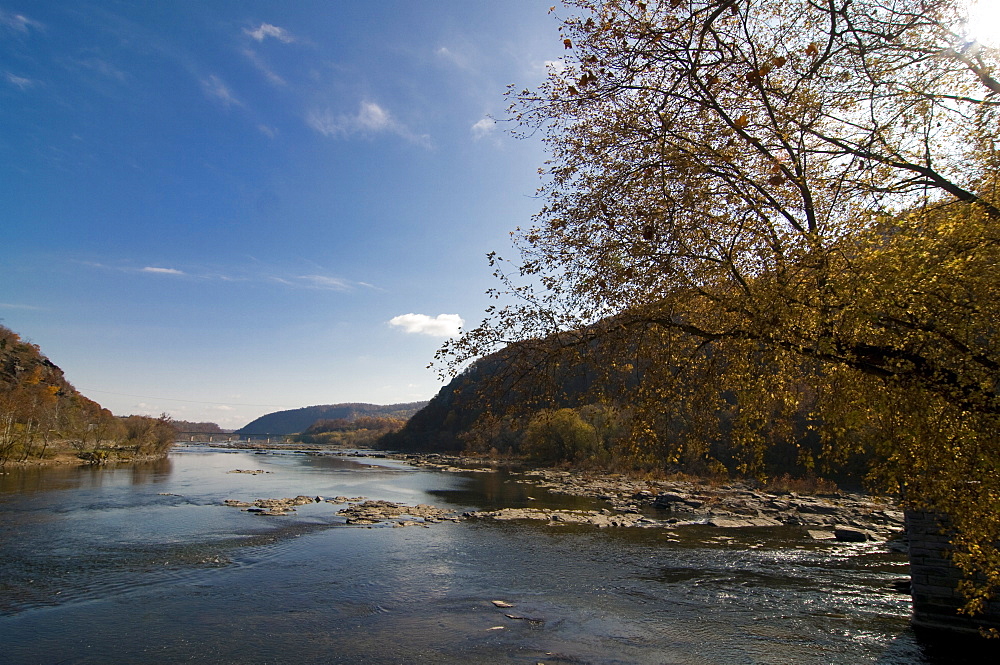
(501, 489)
(30, 479)
(917, 645)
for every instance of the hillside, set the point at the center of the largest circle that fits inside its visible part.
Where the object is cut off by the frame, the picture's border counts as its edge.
(552, 401)
(41, 414)
(294, 421)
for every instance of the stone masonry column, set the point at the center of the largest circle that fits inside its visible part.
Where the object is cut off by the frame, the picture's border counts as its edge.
(934, 580)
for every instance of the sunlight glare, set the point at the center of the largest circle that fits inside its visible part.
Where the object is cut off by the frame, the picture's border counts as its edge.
(984, 22)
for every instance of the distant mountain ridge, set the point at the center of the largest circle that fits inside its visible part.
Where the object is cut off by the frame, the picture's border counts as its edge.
(294, 421)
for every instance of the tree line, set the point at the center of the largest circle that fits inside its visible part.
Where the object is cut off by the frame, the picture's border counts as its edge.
(359, 431)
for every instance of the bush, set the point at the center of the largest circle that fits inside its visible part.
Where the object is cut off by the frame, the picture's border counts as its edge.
(554, 436)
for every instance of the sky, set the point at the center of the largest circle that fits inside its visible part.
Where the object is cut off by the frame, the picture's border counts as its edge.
(221, 209)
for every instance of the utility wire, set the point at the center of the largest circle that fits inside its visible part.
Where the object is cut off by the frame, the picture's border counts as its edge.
(188, 401)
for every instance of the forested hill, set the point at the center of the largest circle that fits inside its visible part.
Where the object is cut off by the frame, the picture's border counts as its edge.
(31, 384)
(550, 406)
(298, 420)
(42, 414)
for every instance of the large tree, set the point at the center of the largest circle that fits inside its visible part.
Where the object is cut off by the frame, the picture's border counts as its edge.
(759, 207)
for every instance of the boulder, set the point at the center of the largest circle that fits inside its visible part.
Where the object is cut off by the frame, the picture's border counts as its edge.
(850, 534)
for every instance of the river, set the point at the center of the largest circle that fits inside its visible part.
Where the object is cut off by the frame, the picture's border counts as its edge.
(144, 564)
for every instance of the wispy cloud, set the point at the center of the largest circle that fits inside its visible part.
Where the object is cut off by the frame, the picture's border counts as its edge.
(453, 57)
(318, 280)
(19, 81)
(262, 67)
(163, 271)
(214, 87)
(484, 128)
(370, 119)
(267, 30)
(102, 67)
(18, 22)
(11, 305)
(442, 325)
(324, 282)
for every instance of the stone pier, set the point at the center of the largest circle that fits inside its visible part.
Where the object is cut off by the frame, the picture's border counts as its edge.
(934, 580)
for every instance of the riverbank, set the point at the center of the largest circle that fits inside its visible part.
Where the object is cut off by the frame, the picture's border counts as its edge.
(728, 504)
(73, 457)
(643, 503)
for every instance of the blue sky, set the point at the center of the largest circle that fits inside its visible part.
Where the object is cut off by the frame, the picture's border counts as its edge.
(220, 209)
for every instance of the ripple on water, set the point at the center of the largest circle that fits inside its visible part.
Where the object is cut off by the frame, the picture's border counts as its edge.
(151, 568)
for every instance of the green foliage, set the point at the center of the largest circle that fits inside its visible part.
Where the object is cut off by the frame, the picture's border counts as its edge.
(560, 436)
(360, 431)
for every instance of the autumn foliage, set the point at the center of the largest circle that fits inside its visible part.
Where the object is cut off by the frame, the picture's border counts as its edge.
(761, 214)
(42, 413)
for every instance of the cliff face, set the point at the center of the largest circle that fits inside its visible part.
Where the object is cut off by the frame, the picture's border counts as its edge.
(31, 385)
(294, 421)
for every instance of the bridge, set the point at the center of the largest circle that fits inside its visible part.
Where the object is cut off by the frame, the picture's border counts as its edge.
(229, 437)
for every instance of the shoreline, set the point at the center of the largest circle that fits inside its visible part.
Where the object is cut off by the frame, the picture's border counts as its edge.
(667, 503)
(72, 458)
(839, 515)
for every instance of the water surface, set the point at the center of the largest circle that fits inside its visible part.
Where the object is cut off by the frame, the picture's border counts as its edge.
(144, 564)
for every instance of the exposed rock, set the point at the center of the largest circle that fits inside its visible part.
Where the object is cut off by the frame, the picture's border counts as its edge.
(816, 534)
(850, 534)
(596, 518)
(741, 522)
(271, 506)
(344, 499)
(734, 505)
(373, 512)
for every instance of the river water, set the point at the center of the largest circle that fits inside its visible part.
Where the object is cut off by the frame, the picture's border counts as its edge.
(143, 564)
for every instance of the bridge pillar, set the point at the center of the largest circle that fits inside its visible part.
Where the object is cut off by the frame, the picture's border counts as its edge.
(934, 579)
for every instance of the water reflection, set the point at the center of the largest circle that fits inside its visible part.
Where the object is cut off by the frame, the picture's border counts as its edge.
(169, 574)
(31, 479)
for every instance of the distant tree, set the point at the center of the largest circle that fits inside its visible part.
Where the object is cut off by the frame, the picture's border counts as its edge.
(756, 207)
(560, 436)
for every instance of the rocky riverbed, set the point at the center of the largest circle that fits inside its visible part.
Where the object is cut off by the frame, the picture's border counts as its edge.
(843, 516)
(840, 515)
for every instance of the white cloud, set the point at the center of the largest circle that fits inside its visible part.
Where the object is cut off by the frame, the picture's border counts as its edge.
(373, 117)
(456, 59)
(19, 81)
(18, 22)
(556, 67)
(267, 30)
(324, 282)
(10, 305)
(269, 132)
(214, 87)
(162, 271)
(370, 119)
(102, 67)
(262, 67)
(484, 128)
(442, 325)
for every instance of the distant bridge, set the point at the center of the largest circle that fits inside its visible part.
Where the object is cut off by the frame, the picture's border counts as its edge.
(229, 437)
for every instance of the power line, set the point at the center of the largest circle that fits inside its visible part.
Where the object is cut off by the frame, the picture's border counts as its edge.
(188, 401)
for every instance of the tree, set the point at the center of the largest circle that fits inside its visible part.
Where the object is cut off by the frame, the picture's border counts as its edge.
(756, 209)
(560, 436)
